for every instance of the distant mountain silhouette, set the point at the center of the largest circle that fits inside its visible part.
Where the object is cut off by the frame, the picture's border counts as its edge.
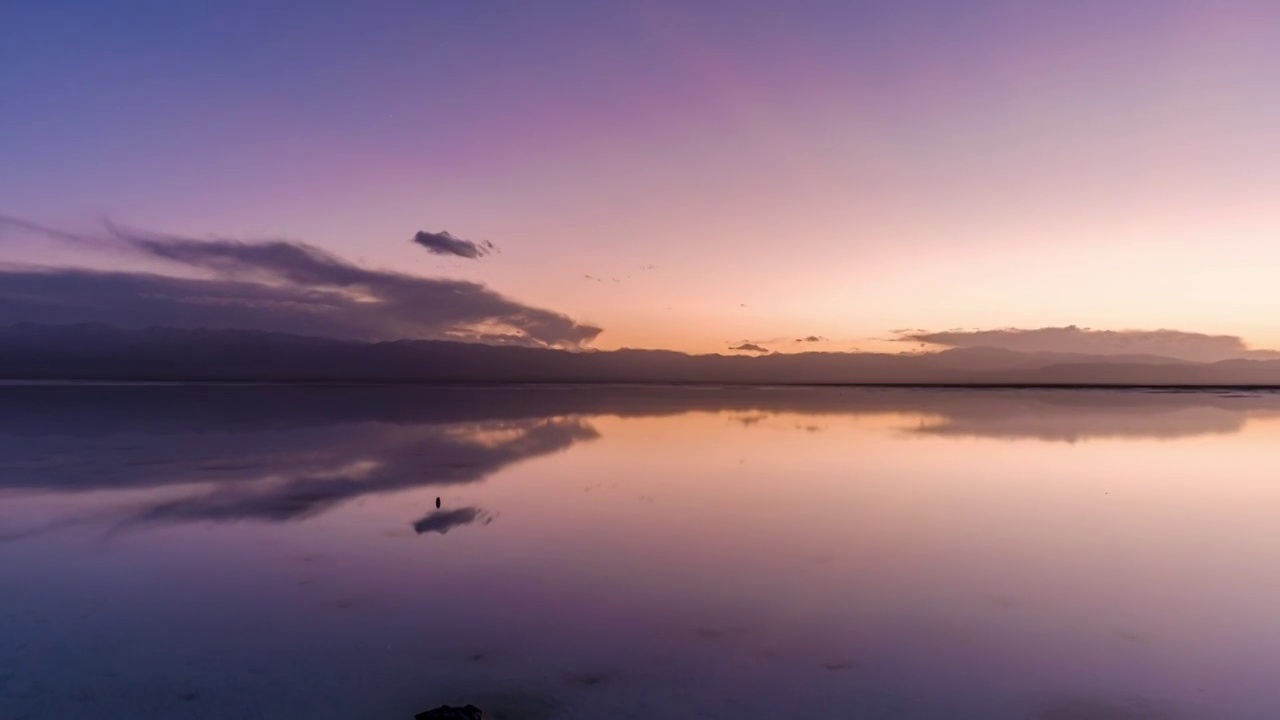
(99, 352)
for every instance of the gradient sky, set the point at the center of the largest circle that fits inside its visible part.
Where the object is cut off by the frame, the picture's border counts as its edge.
(830, 168)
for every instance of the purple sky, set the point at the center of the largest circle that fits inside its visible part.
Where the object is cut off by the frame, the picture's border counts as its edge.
(744, 170)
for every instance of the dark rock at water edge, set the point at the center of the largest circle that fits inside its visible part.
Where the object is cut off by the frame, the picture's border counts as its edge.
(445, 712)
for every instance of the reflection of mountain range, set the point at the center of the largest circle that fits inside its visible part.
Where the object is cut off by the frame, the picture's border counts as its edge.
(172, 422)
(287, 452)
(104, 353)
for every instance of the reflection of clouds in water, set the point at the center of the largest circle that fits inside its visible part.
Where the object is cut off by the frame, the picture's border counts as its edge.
(1043, 415)
(430, 455)
(49, 526)
(1100, 708)
(1023, 421)
(864, 649)
(286, 453)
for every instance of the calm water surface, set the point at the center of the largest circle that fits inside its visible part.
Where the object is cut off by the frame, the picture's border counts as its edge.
(196, 552)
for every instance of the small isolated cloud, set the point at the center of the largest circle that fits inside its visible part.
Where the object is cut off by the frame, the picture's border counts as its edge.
(1177, 344)
(750, 347)
(812, 338)
(444, 243)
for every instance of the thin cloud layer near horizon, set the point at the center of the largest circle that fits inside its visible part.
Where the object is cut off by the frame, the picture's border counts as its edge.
(665, 175)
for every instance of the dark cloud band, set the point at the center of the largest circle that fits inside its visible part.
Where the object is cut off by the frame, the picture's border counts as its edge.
(272, 285)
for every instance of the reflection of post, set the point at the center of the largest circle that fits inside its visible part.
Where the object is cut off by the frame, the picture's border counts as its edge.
(444, 712)
(442, 521)
(437, 503)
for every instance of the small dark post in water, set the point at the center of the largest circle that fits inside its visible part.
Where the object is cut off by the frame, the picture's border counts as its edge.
(437, 502)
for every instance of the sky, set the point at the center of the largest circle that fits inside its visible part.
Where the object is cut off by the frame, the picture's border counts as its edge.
(690, 175)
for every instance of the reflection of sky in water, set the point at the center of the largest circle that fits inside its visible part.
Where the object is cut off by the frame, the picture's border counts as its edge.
(622, 552)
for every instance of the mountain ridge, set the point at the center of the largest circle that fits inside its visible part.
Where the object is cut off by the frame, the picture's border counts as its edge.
(90, 352)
